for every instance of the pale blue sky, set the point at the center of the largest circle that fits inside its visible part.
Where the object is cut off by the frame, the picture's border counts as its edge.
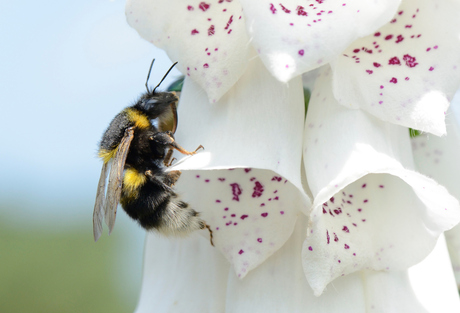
(67, 68)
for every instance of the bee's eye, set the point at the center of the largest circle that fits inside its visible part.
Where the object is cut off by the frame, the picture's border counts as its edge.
(152, 101)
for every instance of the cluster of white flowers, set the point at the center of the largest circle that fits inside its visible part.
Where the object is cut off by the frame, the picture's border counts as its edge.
(323, 213)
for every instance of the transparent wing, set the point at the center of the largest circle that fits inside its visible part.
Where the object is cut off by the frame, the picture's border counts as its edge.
(98, 206)
(116, 179)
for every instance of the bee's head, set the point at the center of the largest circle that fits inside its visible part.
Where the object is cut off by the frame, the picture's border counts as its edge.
(155, 103)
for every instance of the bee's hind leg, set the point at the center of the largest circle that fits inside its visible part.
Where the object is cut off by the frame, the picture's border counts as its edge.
(210, 233)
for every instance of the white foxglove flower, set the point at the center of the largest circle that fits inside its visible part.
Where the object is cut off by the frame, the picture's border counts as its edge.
(439, 158)
(372, 215)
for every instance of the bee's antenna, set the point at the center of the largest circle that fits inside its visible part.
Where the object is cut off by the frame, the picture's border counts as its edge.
(148, 76)
(164, 76)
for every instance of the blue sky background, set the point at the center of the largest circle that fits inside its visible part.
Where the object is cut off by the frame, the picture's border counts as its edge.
(67, 68)
(65, 72)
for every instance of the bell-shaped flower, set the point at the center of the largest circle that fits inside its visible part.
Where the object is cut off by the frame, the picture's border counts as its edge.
(438, 157)
(370, 210)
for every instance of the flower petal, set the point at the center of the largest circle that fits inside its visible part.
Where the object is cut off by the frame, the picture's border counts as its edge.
(438, 157)
(279, 285)
(182, 274)
(251, 212)
(369, 211)
(208, 39)
(433, 281)
(254, 127)
(294, 37)
(390, 292)
(406, 73)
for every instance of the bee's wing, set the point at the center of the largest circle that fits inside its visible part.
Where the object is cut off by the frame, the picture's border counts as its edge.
(116, 178)
(98, 206)
(168, 120)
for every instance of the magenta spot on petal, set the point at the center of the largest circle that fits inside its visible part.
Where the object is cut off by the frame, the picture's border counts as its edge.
(388, 37)
(435, 47)
(356, 50)
(221, 179)
(226, 209)
(365, 200)
(399, 39)
(233, 215)
(244, 216)
(236, 191)
(211, 30)
(281, 212)
(234, 224)
(381, 87)
(218, 201)
(247, 170)
(394, 61)
(264, 214)
(359, 210)
(336, 238)
(197, 176)
(204, 6)
(369, 72)
(217, 228)
(258, 190)
(377, 34)
(339, 261)
(301, 52)
(190, 8)
(377, 64)
(393, 80)
(345, 229)
(276, 178)
(347, 246)
(206, 180)
(331, 199)
(241, 251)
(381, 186)
(327, 236)
(310, 248)
(259, 240)
(410, 60)
(354, 254)
(431, 68)
(206, 65)
(194, 32)
(262, 204)
(272, 8)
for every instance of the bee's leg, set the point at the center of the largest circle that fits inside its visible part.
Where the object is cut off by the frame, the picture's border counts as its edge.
(210, 233)
(171, 177)
(158, 180)
(167, 160)
(166, 138)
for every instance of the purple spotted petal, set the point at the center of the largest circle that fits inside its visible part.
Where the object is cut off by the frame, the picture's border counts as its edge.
(438, 157)
(369, 210)
(293, 37)
(406, 72)
(180, 274)
(251, 212)
(207, 38)
(279, 285)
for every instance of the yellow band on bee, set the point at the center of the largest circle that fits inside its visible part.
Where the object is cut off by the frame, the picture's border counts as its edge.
(138, 118)
(132, 181)
(107, 155)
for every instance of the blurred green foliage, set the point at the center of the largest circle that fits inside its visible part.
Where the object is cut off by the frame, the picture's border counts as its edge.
(42, 271)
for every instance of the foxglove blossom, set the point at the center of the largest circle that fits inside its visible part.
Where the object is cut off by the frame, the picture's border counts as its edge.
(438, 158)
(306, 214)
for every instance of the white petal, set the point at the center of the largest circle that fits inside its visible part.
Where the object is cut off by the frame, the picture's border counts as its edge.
(405, 73)
(254, 127)
(438, 157)
(208, 39)
(182, 274)
(390, 292)
(251, 212)
(369, 211)
(257, 124)
(433, 281)
(279, 285)
(293, 37)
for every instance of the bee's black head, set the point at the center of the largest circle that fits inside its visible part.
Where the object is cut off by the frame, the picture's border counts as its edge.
(156, 103)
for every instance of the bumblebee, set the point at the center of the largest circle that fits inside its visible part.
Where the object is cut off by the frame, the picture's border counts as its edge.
(137, 153)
